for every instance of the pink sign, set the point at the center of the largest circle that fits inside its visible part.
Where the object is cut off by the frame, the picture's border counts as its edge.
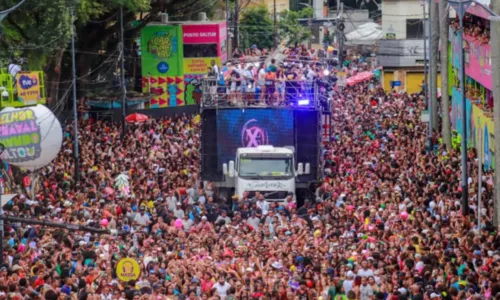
(200, 34)
(478, 61)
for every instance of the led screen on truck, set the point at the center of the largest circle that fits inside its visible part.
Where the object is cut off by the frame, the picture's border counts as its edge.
(251, 128)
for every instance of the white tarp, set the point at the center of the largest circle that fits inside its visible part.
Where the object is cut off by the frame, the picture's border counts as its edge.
(6, 198)
(367, 33)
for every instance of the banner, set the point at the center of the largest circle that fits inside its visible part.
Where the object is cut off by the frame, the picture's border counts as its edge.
(476, 119)
(200, 34)
(28, 87)
(161, 51)
(199, 65)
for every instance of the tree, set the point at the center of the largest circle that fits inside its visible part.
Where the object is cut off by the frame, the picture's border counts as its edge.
(290, 28)
(39, 30)
(257, 27)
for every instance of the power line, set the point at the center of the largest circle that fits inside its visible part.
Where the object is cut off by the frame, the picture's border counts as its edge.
(103, 21)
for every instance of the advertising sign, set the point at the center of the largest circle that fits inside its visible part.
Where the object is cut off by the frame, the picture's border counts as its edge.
(28, 87)
(199, 65)
(252, 128)
(199, 34)
(128, 269)
(161, 51)
(32, 136)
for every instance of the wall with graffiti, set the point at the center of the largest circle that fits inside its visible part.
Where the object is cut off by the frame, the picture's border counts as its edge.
(477, 123)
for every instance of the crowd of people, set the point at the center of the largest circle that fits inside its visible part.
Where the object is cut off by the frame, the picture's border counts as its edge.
(386, 222)
(278, 78)
(473, 27)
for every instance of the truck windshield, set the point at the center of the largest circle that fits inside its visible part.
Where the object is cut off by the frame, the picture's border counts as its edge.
(266, 166)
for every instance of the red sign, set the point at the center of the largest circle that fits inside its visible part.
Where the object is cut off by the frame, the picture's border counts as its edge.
(199, 34)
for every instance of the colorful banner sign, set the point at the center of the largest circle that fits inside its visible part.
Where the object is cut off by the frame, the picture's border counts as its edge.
(200, 34)
(199, 65)
(476, 119)
(28, 87)
(477, 59)
(161, 50)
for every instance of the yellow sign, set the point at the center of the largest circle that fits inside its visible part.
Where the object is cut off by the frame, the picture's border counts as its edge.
(199, 65)
(28, 87)
(128, 269)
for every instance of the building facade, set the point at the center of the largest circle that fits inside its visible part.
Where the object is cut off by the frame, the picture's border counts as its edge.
(478, 82)
(401, 49)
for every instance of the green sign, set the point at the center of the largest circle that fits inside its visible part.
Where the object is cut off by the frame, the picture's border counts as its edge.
(161, 50)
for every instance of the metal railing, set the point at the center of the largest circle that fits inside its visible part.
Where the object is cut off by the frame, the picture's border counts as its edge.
(288, 94)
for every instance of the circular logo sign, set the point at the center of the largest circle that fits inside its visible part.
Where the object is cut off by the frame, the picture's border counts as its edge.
(162, 67)
(253, 135)
(128, 269)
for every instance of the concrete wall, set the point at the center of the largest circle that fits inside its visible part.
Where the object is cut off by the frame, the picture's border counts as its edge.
(396, 12)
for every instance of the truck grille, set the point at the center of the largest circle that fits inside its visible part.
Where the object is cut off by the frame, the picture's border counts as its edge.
(273, 195)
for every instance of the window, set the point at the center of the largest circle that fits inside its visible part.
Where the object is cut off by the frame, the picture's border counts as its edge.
(266, 166)
(414, 29)
(200, 50)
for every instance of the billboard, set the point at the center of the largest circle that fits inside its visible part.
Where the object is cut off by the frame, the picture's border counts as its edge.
(28, 88)
(161, 49)
(252, 128)
(200, 34)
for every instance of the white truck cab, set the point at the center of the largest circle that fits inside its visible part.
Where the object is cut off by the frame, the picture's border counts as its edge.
(265, 169)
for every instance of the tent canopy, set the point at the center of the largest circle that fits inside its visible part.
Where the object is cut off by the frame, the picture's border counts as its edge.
(367, 33)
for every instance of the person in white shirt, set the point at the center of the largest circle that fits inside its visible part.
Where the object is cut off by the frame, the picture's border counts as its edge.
(222, 287)
(263, 205)
(349, 282)
(364, 271)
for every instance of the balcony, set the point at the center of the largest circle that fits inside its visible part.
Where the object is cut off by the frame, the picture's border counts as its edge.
(477, 58)
(303, 95)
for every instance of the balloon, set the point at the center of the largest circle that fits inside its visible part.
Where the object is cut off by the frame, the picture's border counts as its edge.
(178, 224)
(32, 136)
(104, 222)
(403, 215)
(317, 233)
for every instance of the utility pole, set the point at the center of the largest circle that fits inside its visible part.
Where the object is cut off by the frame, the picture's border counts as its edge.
(434, 38)
(122, 71)
(340, 31)
(309, 24)
(429, 87)
(495, 52)
(236, 38)
(275, 27)
(445, 98)
(479, 179)
(426, 86)
(465, 183)
(227, 30)
(75, 104)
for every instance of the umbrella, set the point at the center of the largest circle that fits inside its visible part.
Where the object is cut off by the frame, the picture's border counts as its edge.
(136, 118)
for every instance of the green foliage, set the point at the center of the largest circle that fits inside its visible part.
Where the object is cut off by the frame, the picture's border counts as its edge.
(256, 27)
(38, 27)
(290, 28)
